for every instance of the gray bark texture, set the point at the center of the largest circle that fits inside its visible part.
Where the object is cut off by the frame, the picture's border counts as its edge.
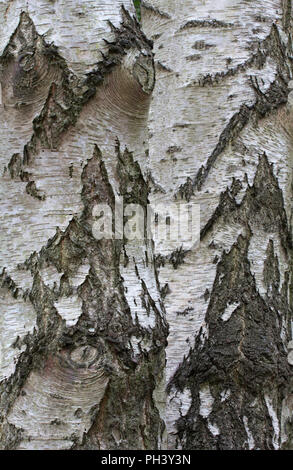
(145, 344)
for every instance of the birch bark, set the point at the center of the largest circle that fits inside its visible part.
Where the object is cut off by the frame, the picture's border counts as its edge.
(83, 328)
(220, 135)
(84, 323)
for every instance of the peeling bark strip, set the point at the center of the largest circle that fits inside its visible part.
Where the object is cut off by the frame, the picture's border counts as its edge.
(229, 304)
(83, 329)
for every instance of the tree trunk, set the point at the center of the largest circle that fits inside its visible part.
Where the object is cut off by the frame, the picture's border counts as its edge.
(221, 136)
(83, 328)
(130, 344)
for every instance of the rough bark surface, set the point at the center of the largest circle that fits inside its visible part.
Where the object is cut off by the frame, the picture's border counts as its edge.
(123, 344)
(223, 139)
(83, 329)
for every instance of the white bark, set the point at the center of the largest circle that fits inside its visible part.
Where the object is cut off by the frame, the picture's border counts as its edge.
(82, 325)
(53, 119)
(215, 63)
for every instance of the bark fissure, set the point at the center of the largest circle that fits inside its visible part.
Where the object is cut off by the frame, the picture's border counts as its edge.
(266, 102)
(245, 351)
(87, 341)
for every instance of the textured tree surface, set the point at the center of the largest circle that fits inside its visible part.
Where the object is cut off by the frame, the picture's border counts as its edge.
(127, 344)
